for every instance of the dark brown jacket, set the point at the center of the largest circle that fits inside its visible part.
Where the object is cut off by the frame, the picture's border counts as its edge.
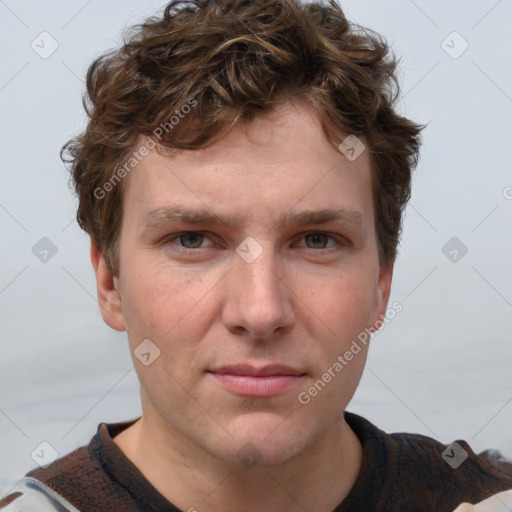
(400, 472)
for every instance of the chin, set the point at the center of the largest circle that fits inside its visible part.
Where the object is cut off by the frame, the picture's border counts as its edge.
(262, 439)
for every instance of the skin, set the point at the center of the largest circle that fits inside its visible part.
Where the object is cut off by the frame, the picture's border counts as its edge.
(301, 302)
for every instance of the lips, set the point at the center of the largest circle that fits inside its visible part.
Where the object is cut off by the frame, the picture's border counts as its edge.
(251, 371)
(249, 381)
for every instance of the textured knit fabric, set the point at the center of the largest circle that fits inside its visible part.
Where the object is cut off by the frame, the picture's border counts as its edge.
(400, 472)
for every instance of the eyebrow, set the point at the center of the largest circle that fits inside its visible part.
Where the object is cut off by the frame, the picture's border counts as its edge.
(166, 215)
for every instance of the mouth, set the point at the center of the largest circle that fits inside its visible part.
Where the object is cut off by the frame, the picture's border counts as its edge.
(263, 382)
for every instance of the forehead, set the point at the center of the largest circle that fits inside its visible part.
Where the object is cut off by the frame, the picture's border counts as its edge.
(264, 169)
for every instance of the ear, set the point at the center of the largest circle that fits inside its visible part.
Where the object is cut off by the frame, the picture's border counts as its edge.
(109, 298)
(382, 298)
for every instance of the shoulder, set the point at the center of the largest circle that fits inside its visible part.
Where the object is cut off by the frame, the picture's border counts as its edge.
(43, 489)
(449, 474)
(31, 495)
(81, 478)
(422, 469)
(456, 461)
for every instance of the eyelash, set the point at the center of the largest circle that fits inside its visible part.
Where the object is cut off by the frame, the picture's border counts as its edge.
(340, 241)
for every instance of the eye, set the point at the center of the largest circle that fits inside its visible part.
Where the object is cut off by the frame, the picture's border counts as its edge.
(189, 241)
(195, 240)
(319, 241)
(192, 242)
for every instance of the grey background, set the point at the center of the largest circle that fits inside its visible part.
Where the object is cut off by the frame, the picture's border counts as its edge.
(440, 368)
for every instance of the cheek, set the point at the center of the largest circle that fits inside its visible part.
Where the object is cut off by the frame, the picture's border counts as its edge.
(146, 303)
(164, 302)
(166, 308)
(344, 303)
(344, 306)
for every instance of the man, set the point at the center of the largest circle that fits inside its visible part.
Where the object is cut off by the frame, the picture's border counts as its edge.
(242, 178)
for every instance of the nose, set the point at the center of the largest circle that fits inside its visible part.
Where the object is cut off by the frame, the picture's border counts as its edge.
(259, 302)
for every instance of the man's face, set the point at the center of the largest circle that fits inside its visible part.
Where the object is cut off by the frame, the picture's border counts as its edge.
(248, 312)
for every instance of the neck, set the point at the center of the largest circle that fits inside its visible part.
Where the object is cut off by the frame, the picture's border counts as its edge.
(193, 480)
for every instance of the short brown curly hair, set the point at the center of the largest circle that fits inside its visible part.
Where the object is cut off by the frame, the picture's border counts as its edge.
(234, 60)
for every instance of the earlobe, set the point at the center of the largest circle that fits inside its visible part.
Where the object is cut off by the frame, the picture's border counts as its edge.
(109, 298)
